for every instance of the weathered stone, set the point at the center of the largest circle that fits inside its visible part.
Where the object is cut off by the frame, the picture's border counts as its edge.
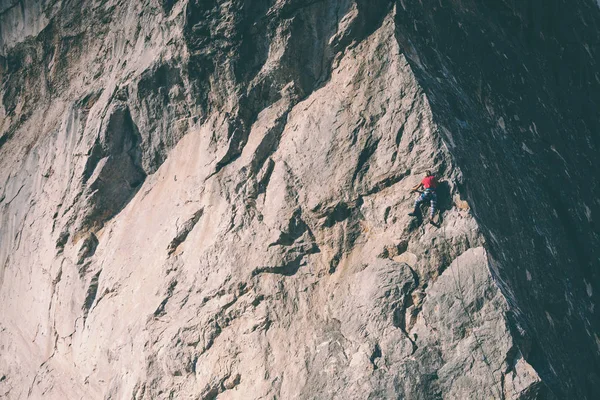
(208, 199)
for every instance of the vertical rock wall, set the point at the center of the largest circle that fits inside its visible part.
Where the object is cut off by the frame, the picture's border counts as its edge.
(208, 199)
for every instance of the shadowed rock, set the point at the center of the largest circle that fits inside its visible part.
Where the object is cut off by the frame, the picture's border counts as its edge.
(208, 199)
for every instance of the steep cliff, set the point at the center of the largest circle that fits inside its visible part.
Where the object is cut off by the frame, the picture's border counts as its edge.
(208, 199)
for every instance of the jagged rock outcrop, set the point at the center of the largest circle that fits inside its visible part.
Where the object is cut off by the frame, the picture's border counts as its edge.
(208, 199)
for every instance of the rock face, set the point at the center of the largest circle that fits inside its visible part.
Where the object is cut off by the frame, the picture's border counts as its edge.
(208, 199)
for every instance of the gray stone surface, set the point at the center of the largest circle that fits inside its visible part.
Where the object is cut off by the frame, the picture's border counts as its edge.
(208, 199)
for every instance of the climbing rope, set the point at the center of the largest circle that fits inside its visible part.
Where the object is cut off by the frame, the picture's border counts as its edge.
(456, 279)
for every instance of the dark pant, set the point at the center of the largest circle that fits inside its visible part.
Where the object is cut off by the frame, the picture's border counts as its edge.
(425, 196)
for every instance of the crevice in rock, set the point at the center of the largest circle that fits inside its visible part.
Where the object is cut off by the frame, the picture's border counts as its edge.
(139, 390)
(399, 321)
(338, 213)
(334, 262)
(160, 310)
(295, 229)
(287, 269)
(91, 295)
(167, 5)
(83, 268)
(269, 143)
(184, 231)
(235, 145)
(15, 196)
(295, 243)
(104, 294)
(87, 249)
(386, 182)
(62, 240)
(362, 164)
(289, 10)
(214, 330)
(94, 157)
(375, 355)
(265, 177)
(3, 139)
(391, 251)
(160, 95)
(113, 171)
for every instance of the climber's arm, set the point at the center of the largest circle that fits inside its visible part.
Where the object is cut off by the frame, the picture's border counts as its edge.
(416, 188)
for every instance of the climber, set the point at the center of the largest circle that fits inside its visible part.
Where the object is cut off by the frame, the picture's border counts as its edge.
(429, 184)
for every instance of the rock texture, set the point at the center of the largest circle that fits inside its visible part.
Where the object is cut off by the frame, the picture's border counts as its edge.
(208, 199)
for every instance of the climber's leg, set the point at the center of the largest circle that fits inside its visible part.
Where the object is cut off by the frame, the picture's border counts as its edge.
(433, 208)
(417, 209)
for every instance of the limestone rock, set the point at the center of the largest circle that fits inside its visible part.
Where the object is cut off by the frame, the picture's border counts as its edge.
(208, 200)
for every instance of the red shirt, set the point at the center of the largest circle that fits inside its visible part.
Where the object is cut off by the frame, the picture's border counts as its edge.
(429, 182)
